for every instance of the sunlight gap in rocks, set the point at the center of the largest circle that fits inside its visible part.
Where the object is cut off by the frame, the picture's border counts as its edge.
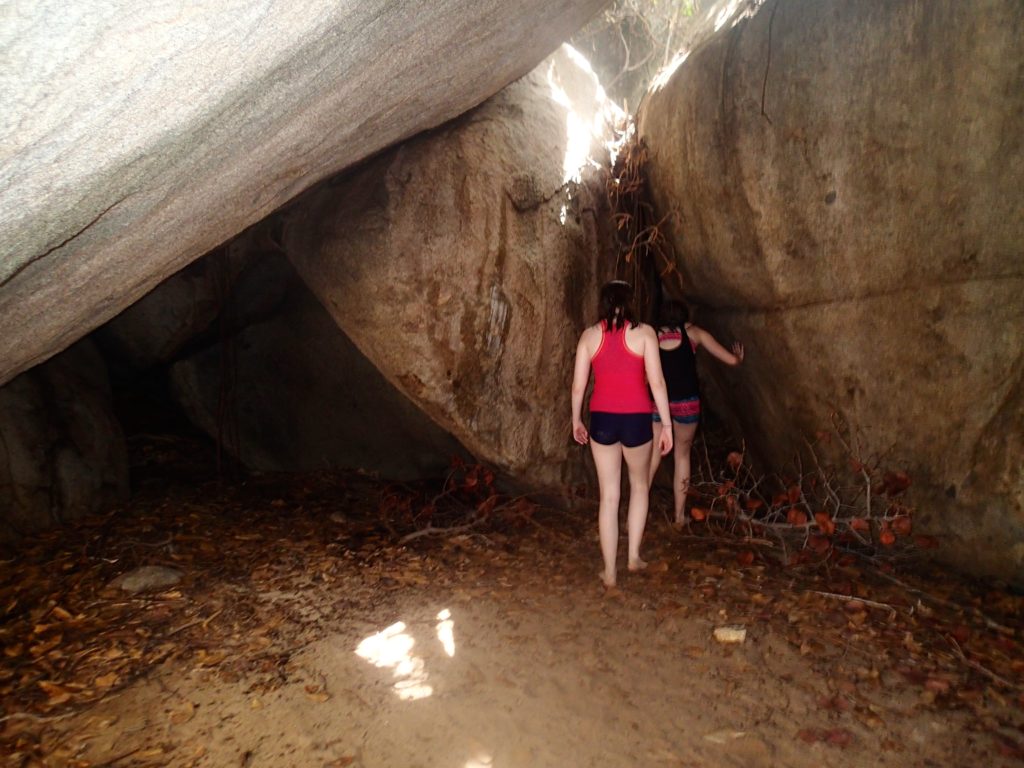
(725, 14)
(587, 115)
(661, 79)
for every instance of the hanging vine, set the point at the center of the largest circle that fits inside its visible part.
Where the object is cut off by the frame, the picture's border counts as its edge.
(645, 257)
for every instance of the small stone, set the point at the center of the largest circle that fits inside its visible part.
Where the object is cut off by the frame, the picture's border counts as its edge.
(149, 578)
(731, 634)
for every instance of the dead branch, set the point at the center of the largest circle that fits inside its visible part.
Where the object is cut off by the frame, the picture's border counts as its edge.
(431, 530)
(989, 622)
(847, 598)
(979, 668)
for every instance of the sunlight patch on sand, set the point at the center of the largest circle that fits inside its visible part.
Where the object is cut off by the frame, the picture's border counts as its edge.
(446, 631)
(391, 648)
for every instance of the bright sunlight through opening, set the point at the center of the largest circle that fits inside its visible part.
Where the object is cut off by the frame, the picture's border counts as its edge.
(589, 112)
(725, 14)
(661, 79)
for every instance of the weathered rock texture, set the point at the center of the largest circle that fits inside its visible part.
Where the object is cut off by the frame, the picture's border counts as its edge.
(62, 452)
(848, 179)
(290, 392)
(137, 136)
(464, 267)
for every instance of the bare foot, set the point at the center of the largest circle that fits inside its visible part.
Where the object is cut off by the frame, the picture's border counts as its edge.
(613, 592)
(682, 521)
(607, 581)
(636, 565)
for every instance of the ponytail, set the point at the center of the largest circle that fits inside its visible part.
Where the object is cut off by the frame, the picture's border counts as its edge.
(616, 305)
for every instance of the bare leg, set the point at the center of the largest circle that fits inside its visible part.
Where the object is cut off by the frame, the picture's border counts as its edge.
(608, 460)
(638, 464)
(655, 455)
(683, 438)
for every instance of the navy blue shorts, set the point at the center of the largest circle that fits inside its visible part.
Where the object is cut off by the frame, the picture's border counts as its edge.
(630, 429)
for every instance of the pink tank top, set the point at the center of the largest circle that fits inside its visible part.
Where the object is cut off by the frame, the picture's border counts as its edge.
(620, 383)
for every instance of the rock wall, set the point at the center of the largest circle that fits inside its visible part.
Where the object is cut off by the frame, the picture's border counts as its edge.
(464, 265)
(848, 180)
(221, 293)
(290, 392)
(62, 452)
(138, 136)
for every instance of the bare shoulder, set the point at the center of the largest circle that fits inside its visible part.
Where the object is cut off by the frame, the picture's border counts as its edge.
(591, 338)
(641, 338)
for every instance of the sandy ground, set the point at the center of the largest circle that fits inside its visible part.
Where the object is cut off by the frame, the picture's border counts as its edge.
(501, 649)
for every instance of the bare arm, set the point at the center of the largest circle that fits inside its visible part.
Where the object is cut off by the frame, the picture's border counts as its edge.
(580, 379)
(656, 380)
(704, 338)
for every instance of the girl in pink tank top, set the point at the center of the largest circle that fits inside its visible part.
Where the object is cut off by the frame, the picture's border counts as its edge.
(620, 383)
(624, 356)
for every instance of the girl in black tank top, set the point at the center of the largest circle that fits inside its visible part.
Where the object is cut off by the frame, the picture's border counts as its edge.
(679, 364)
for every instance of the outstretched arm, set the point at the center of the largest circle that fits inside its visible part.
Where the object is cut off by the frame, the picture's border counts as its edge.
(580, 378)
(708, 341)
(656, 380)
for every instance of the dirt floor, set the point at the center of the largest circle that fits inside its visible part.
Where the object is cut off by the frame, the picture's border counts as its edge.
(303, 633)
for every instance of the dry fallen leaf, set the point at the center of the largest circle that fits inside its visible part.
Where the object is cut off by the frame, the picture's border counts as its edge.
(839, 737)
(57, 694)
(183, 715)
(106, 681)
(205, 659)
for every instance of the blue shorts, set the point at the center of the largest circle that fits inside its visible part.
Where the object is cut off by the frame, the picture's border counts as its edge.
(686, 411)
(630, 429)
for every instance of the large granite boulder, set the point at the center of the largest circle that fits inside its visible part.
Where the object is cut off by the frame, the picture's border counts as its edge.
(290, 392)
(62, 452)
(465, 263)
(848, 180)
(138, 136)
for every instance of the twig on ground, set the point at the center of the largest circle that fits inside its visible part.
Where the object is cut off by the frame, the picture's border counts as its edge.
(35, 718)
(431, 530)
(989, 622)
(849, 599)
(979, 668)
(205, 622)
